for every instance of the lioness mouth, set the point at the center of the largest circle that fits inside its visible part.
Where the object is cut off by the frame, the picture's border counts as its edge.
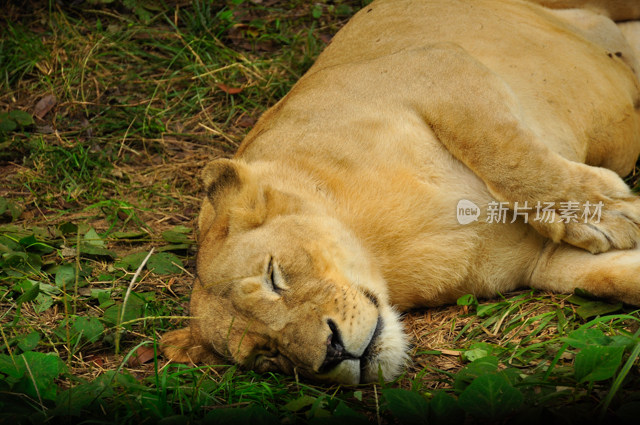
(368, 353)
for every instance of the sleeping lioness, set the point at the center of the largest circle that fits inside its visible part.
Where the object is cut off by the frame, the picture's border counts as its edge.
(436, 148)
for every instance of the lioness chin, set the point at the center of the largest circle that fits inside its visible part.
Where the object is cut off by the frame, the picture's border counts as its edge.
(436, 148)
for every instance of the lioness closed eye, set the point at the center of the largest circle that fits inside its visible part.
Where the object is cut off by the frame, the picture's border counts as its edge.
(436, 148)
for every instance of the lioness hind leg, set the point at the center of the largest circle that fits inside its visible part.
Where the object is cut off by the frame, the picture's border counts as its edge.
(613, 275)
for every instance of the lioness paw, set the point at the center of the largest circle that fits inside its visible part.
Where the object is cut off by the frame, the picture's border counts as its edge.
(179, 346)
(616, 228)
(605, 214)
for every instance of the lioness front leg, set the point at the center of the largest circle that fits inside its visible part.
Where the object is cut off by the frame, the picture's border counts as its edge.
(476, 115)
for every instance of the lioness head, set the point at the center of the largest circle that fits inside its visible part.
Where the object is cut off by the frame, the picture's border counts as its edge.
(283, 286)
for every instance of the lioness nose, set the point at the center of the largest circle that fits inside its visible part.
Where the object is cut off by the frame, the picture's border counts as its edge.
(336, 353)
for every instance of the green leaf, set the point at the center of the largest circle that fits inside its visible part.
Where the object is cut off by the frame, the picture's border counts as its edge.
(344, 412)
(103, 296)
(93, 244)
(134, 310)
(623, 341)
(29, 342)
(15, 210)
(483, 366)
(480, 350)
(100, 294)
(408, 407)
(174, 247)
(43, 301)
(71, 338)
(105, 381)
(584, 294)
(143, 14)
(131, 262)
(22, 118)
(30, 243)
(474, 354)
(41, 369)
(316, 11)
(27, 241)
(318, 409)
(178, 235)
(562, 321)
(597, 308)
(468, 299)
(30, 294)
(581, 338)
(597, 363)
(26, 263)
(128, 235)
(344, 10)
(444, 410)
(90, 328)
(6, 123)
(45, 288)
(92, 238)
(10, 369)
(68, 228)
(490, 397)
(9, 242)
(164, 263)
(299, 403)
(89, 249)
(65, 276)
(71, 402)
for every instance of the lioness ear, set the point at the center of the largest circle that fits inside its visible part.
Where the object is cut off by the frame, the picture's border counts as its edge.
(233, 194)
(180, 347)
(222, 176)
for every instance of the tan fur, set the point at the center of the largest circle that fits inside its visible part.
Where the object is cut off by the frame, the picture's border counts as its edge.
(339, 208)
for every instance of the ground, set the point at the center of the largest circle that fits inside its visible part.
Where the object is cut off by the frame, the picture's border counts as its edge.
(108, 111)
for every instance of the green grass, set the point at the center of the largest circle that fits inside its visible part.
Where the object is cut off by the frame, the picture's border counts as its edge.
(146, 93)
